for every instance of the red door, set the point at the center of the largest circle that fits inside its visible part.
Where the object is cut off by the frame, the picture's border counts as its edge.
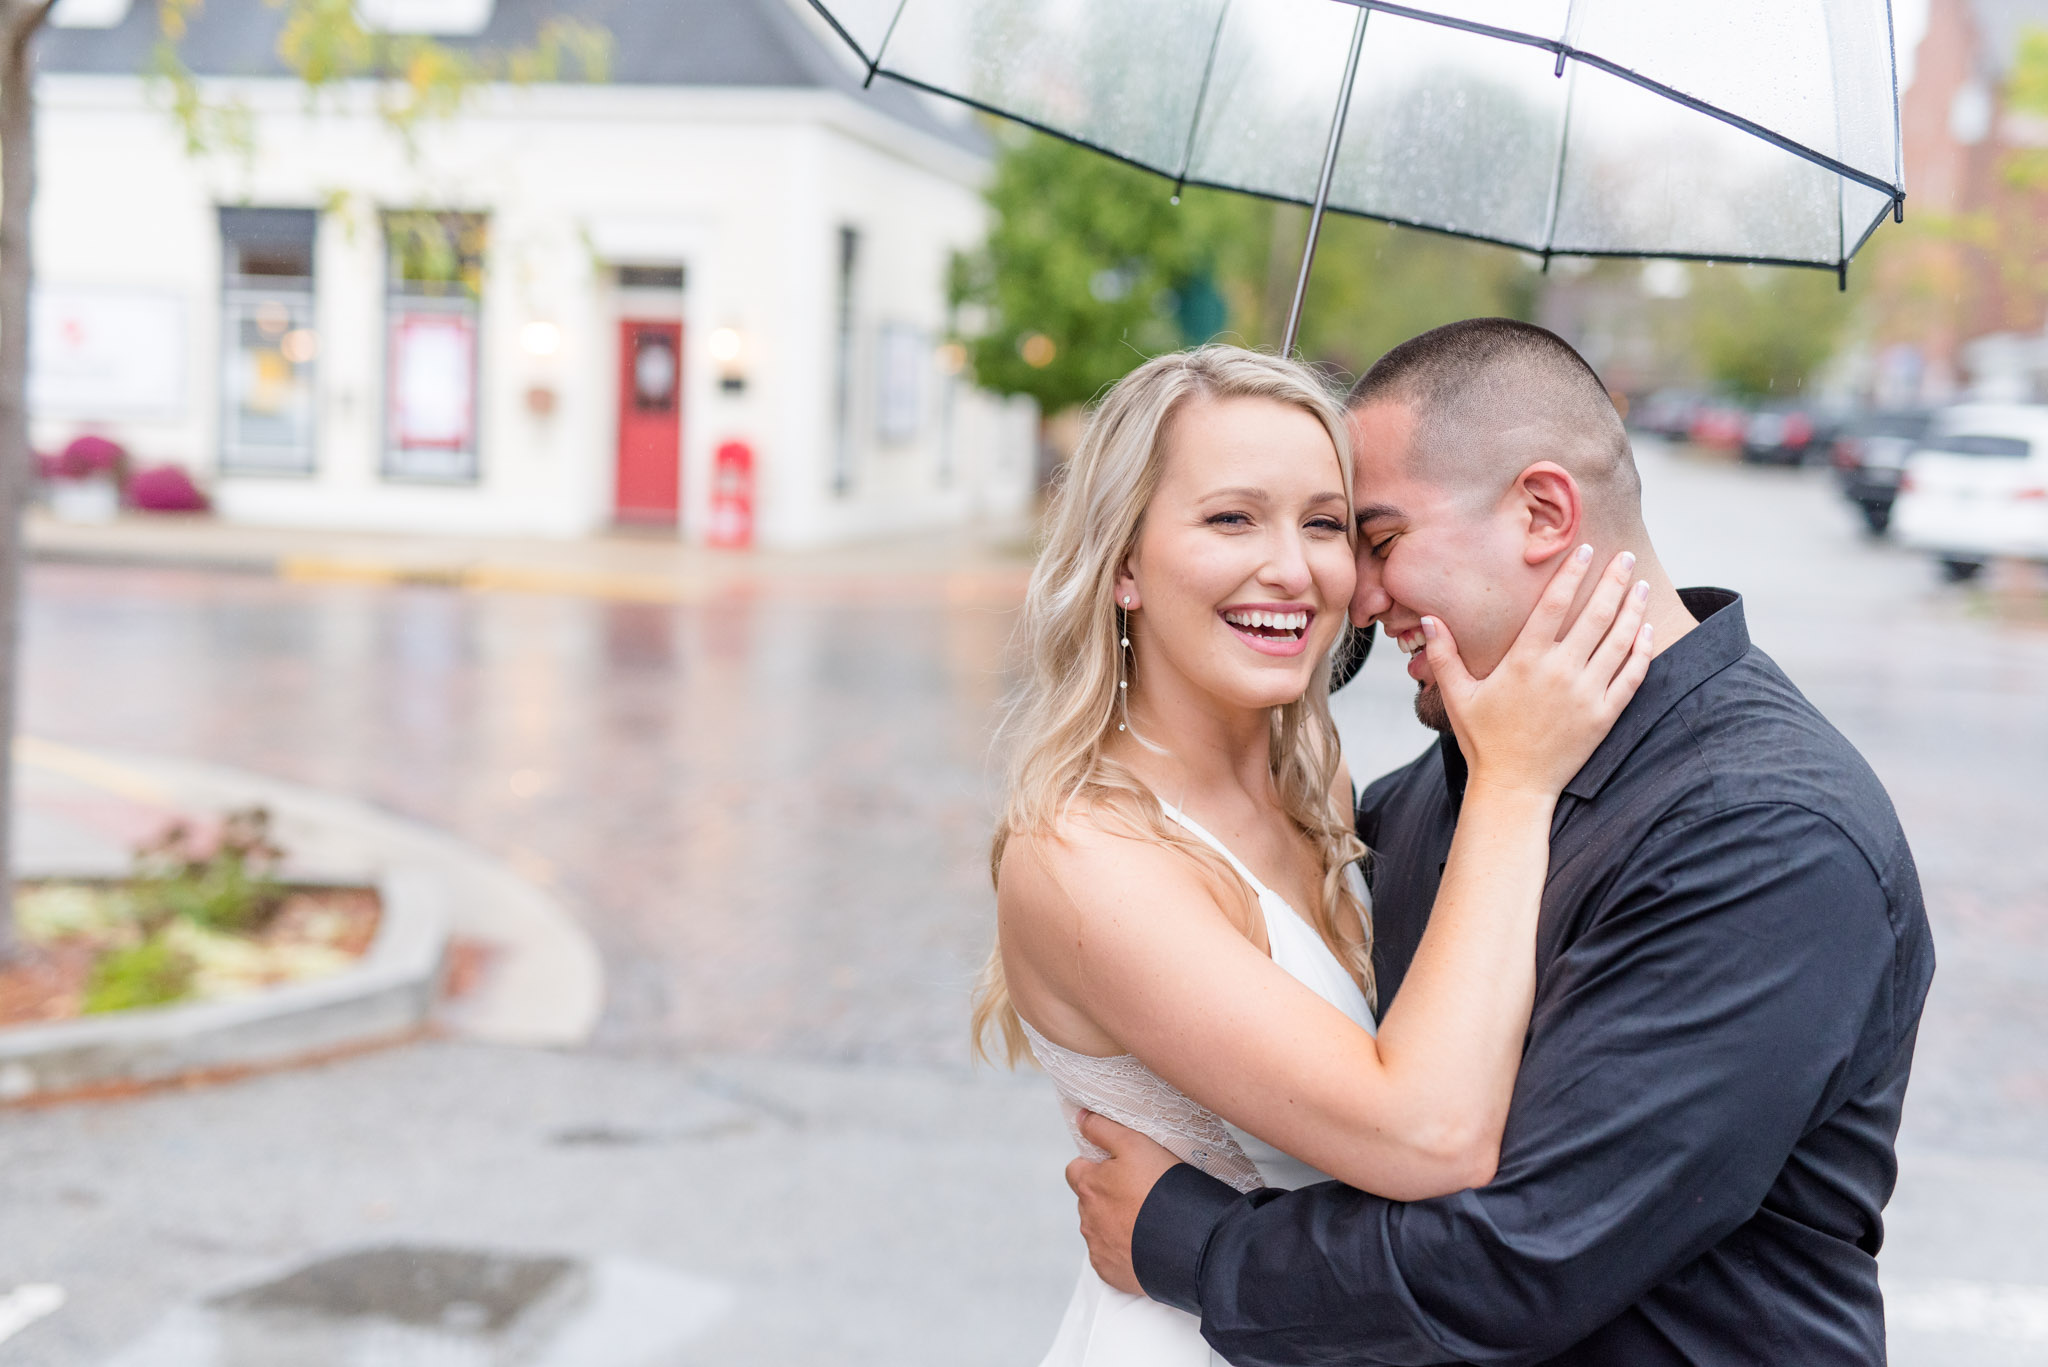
(650, 421)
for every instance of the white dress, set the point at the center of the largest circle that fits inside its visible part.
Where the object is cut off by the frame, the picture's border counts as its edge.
(1104, 1327)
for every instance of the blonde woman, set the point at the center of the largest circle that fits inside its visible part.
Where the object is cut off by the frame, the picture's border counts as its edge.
(1183, 943)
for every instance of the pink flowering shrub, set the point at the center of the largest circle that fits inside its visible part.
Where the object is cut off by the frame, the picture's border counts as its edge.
(87, 457)
(165, 489)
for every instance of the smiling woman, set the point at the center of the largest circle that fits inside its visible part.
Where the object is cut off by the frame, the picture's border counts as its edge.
(1206, 464)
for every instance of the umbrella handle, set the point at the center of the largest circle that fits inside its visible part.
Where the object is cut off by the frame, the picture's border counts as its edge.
(1315, 218)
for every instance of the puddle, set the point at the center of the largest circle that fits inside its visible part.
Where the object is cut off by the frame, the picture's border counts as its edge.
(409, 1306)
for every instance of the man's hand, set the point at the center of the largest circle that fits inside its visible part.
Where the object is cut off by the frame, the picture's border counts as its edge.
(1112, 1192)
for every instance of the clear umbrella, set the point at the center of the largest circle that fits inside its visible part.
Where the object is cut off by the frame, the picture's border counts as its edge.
(1760, 131)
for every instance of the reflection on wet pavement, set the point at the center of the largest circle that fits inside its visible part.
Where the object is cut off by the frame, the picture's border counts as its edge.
(772, 809)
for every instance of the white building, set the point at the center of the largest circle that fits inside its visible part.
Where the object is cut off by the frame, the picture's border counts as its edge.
(549, 317)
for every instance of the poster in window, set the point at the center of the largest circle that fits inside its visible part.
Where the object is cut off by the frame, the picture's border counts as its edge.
(101, 354)
(433, 394)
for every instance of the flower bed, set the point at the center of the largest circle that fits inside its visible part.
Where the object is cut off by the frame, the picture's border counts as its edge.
(201, 919)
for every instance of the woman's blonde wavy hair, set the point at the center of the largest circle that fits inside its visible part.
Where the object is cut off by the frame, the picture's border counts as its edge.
(1064, 714)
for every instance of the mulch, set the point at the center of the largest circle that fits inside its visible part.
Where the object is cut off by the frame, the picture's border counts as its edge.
(47, 982)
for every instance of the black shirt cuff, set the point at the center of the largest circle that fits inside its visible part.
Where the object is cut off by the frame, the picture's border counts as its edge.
(1172, 1234)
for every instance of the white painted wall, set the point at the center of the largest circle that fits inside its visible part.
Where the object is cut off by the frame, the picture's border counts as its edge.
(744, 189)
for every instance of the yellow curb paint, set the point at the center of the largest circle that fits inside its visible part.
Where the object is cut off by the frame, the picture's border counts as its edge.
(88, 768)
(982, 588)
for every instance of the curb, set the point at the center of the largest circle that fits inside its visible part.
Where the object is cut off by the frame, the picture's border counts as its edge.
(545, 983)
(676, 574)
(215, 562)
(387, 995)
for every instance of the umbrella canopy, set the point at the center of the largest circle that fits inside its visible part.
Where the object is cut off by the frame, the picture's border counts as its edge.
(1727, 130)
(1758, 131)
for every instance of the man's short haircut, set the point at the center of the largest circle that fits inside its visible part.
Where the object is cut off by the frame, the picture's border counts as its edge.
(1470, 382)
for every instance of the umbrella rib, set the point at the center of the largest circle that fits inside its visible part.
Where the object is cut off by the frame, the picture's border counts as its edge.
(1655, 87)
(887, 34)
(1564, 138)
(1315, 217)
(1898, 133)
(832, 19)
(1187, 156)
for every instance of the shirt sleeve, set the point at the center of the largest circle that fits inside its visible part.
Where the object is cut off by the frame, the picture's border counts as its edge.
(1712, 1013)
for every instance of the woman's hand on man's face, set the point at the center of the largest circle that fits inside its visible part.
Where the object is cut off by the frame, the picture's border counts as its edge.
(1536, 718)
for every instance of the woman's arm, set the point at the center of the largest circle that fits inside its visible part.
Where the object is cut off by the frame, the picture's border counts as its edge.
(1127, 944)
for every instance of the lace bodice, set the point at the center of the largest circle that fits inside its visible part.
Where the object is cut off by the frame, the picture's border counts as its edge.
(1131, 1094)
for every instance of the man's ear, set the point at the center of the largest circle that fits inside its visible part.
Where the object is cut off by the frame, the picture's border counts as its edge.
(1552, 511)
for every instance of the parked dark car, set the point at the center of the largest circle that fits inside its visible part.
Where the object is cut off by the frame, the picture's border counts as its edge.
(1868, 456)
(1666, 413)
(1781, 434)
(1718, 424)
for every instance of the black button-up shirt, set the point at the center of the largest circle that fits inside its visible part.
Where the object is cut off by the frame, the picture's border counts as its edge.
(1731, 962)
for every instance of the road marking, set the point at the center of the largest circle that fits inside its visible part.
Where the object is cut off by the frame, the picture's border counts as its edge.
(1999, 1310)
(26, 1304)
(90, 769)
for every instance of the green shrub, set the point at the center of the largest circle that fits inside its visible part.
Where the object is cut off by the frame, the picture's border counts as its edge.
(231, 887)
(149, 973)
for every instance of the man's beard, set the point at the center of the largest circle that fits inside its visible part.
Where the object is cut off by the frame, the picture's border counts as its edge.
(1429, 708)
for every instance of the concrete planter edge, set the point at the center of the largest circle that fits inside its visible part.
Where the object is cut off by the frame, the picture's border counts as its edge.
(388, 994)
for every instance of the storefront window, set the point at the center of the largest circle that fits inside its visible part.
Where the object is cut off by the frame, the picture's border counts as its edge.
(434, 264)
(270, 344)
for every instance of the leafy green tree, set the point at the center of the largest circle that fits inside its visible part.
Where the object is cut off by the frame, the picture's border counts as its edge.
(1375, 285)
(2026, 92)
(1759, 331)
(326, 45)
(1085, 271)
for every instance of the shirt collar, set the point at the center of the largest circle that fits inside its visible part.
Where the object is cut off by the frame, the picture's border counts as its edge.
(1720, 639)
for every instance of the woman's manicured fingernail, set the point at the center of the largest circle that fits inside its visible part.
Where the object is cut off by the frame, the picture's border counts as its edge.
(1628, 562)
(1647, 630)
(1642, 590)
(1429, 628)
(1583, 555)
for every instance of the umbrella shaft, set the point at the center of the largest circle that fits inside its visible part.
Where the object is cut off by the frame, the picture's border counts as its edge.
(1315, 217)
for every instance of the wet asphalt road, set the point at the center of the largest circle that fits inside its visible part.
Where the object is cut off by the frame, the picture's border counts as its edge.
(771, 813)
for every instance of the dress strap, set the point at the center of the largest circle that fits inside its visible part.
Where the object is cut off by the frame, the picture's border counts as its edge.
(1189, 823)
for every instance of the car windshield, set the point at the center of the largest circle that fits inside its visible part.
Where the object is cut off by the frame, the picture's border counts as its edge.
(1908, 425)
(1966, 444)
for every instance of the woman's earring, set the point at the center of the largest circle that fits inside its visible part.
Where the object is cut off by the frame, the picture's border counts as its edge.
(1123, 685)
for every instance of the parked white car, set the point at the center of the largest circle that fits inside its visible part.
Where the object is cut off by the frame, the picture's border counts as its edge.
(1976, 488)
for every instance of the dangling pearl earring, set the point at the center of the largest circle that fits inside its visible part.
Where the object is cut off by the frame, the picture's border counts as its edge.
(1123, 685)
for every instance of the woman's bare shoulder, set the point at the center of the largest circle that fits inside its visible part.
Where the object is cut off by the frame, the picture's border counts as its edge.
(1094, 863)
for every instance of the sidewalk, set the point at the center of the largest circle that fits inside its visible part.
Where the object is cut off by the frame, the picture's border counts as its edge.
(959, 562)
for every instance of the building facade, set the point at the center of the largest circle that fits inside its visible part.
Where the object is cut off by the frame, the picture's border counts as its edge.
(706, 293)
(1965, 286)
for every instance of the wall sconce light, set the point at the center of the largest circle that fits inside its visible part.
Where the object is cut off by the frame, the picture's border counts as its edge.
(540, 339)
(726, 346)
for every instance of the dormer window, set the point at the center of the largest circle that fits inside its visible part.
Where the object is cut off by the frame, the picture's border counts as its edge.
(438, 18)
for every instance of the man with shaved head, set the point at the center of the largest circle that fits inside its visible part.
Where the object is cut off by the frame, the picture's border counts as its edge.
(1731, 961)
(1488, 442)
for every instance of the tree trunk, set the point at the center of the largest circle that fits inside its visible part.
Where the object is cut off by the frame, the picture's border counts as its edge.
(19, 21)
